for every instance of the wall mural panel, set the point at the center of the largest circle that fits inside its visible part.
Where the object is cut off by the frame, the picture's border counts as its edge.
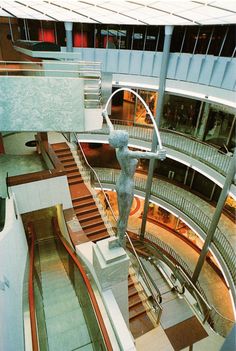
(41, 104)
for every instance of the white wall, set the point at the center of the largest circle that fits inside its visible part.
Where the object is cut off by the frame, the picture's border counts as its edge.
(13, 255)
(42, 194)
(92, 119)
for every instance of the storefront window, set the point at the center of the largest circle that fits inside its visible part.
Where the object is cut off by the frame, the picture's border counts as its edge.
(220, 129)
(141, 115)
(180, 114)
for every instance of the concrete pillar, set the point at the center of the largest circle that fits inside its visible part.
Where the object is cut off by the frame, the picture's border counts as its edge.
(111, 264)
(203, 123)
(158, 115)
(216, 217)
(69, 41)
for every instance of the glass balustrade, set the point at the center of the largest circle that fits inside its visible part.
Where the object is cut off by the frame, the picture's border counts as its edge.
(64, 310)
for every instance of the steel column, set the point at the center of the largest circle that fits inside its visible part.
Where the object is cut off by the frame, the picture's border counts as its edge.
(158, 114)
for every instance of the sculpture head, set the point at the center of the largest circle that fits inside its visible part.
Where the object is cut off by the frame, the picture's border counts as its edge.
(118, 138)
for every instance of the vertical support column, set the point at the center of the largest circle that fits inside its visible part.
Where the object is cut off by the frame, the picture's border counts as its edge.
(69, 41)
(198, 119)
(158, 114)
(216, 217)
(204, 120)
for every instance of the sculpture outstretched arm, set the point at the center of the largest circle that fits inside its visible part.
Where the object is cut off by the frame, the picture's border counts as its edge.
(159, 154)
(110, 125)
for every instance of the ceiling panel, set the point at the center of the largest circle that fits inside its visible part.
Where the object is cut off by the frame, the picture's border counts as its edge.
(124, 12)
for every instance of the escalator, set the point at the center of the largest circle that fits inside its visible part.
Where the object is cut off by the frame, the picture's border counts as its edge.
(65, 311)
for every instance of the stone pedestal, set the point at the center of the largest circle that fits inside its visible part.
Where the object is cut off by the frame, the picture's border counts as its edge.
(111, 264)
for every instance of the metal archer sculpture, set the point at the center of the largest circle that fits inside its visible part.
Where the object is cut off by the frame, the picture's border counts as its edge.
(128, 160)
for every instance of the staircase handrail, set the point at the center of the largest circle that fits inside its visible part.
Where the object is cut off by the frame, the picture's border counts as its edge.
(156, 297)
(7, 185)
(145, 277)
(33, 323)
(74, 257)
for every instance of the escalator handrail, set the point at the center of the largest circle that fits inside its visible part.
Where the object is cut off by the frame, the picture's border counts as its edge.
(33, 324)
(72, 254)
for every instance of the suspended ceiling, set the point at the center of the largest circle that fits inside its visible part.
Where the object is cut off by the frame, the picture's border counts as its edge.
(147, 12)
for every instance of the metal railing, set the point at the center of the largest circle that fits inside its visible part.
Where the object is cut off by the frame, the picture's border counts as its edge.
(215, 319)
(208, 313)
(162, 191)
(156, 297)
(196, 149)
(218, 322)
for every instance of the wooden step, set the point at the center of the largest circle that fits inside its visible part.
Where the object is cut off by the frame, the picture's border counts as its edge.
(83, 211)
(71, 175)
(77, 180)
(80, 198)
(61, 149)
(130, 283)
(88, 216)
(95, 230)
(70, 165)
(97, 237)
(83, 203)
(132, 291)
(71, 169)
(69, 158)
(63, 153)
(134, 302)
(93, 222)
(137, 311)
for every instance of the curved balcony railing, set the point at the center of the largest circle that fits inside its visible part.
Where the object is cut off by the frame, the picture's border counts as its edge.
(217, 321)
(160, 249)
(163, 192)
(201, 151)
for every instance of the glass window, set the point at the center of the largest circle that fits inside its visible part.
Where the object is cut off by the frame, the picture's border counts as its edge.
(217, 40)
(205, 36)
(34, 28)
(229, 46)
(151, 38)
(177, 39)
(160, 39)
(190, 39)
(138, 37)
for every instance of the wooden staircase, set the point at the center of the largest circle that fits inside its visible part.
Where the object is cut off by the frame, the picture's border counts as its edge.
(139, 320)
(83, 203)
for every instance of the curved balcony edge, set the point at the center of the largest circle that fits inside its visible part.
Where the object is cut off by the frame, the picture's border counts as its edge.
(189, 155)
(227, 262)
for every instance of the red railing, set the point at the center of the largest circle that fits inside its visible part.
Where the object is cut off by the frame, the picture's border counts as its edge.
(31, 233)
(87, 283)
